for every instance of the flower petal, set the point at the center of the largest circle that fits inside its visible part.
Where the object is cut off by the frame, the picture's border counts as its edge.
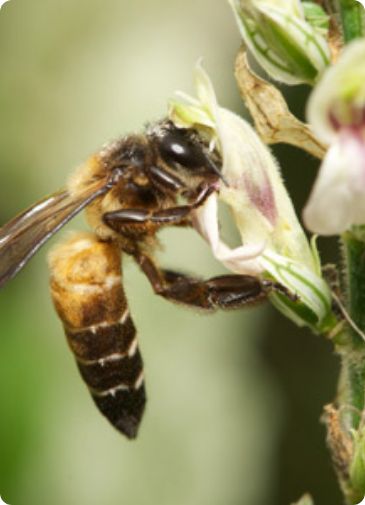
(243, 259)
(340, 91)
(256, 194)
(329, 209)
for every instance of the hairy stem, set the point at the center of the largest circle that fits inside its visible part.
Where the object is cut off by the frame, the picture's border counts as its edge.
(354, 252)
(351, 397)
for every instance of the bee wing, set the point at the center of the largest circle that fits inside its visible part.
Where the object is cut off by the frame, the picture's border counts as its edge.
(28, 231)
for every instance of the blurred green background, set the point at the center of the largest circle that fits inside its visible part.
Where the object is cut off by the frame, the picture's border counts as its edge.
(234, 398)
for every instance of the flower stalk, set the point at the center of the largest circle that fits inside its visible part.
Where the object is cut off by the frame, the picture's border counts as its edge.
(352, 384)
(336, 113)
(336, 206)
(298, 42)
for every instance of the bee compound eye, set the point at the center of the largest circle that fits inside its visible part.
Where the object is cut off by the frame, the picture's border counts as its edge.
(176, 148)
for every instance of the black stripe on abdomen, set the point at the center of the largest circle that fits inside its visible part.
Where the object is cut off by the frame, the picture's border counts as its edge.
(107, 374)
(102, 340)
(111, 365)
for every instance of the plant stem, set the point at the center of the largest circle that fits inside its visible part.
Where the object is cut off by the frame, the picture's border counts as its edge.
(352, 15)
(351, 395)
(354, 356)
(351, 392)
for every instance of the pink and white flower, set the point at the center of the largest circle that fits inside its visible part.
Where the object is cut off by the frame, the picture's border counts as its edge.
(336, 111)
(273, 242)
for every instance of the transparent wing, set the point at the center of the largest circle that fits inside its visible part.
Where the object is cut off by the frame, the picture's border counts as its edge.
(28, 231)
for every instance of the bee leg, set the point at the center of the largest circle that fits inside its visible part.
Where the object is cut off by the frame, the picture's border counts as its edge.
(173, 215)
(225, 292)
(87, 291)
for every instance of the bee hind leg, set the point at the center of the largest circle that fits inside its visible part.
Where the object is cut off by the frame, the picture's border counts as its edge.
(223, 292)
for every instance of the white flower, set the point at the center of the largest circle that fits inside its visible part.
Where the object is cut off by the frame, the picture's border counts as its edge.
(273, 243)
(282, 40)
(336, 111)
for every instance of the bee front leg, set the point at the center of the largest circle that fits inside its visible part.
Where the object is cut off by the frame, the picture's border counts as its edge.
(118, 219)
(224, 292)
(87, 291)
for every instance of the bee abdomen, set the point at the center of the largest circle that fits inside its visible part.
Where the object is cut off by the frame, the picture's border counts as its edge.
(111, 365)
(88, 296)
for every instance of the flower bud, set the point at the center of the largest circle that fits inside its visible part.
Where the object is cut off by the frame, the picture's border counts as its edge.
(317, 17)
(284, 43)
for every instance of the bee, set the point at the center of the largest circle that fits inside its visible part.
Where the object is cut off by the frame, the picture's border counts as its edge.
(130, 189)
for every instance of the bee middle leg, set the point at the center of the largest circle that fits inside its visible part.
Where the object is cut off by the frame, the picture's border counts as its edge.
(224, 292)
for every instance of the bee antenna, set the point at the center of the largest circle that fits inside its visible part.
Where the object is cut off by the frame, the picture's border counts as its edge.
(215, 169)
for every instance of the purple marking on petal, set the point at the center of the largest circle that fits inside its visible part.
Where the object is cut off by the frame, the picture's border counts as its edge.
(346, 115)
(358, 116)
(335, 123)
(363, 116)
(262, 196)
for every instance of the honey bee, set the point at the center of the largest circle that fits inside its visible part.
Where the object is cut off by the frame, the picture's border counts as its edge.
(131, 189)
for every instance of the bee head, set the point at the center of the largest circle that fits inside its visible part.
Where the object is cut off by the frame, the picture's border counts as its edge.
(184, 151)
